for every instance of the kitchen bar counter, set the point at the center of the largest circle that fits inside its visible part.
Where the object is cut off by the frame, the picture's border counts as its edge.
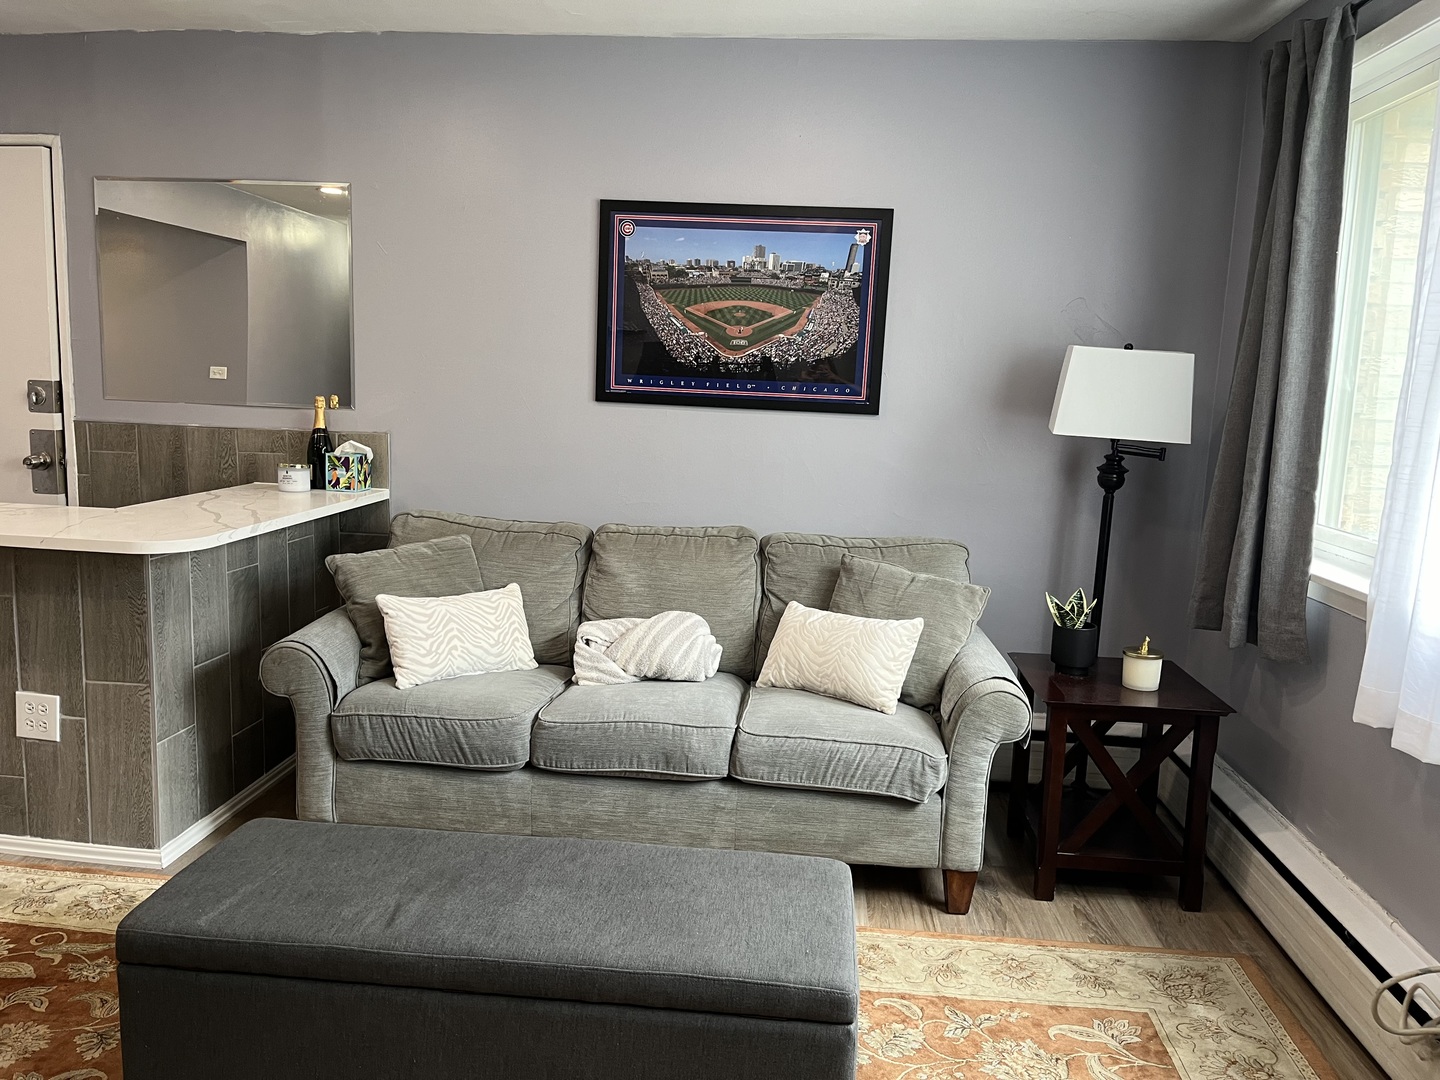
(208, 519)
(148, 622)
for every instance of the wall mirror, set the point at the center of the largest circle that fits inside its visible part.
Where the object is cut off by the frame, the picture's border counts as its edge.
(224, 292)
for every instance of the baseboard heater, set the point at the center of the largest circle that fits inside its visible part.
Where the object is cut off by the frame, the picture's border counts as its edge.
(1313, 902)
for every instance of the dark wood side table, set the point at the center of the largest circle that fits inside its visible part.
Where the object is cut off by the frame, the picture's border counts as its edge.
(1081, 829)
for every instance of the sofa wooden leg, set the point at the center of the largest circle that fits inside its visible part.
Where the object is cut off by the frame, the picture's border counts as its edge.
(959, 888)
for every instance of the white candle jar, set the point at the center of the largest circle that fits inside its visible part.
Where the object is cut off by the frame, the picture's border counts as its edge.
(292, 477)
(1140, 668)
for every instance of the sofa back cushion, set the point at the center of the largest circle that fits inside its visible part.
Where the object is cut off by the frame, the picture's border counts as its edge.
(642, 570)
(443, 567)
(950, 609)
(805, 566)
(547, 559)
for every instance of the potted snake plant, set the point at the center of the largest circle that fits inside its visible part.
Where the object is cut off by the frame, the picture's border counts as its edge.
(1074, 639)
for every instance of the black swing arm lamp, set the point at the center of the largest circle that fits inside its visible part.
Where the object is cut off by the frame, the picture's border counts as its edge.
(1132, 398)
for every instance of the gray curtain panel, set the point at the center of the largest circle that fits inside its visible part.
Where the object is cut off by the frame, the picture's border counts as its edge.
(1255, 545)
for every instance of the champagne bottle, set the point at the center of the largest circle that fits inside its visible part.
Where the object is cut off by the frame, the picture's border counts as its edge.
(320, 445)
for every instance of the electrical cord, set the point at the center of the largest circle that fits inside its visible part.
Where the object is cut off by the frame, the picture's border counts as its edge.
(1407, 1030)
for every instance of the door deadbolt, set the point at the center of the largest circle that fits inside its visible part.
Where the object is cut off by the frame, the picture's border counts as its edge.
(37, 461)
(43, 395)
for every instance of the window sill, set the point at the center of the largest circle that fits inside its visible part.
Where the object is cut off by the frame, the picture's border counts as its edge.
(1340, 587)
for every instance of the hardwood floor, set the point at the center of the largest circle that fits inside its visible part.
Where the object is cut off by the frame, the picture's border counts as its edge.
(1108, 910)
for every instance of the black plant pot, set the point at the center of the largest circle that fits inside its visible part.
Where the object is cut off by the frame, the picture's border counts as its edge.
(1073, 651)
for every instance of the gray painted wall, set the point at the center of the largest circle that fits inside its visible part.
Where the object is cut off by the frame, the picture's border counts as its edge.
(1374, 811)
(1044, 193)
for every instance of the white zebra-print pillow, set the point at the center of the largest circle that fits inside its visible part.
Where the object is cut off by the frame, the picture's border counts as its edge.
(841, 656)
(444, 637)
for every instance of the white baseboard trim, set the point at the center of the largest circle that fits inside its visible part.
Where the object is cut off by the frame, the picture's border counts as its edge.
(34, 847)
(173, 849)
(1331, 964)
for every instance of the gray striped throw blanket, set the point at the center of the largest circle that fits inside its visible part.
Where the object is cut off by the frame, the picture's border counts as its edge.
(676, 646)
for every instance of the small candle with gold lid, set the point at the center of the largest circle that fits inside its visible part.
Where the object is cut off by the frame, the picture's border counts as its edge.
(1140, 669)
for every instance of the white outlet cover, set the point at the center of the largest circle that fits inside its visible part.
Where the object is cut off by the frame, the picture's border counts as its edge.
(220, 373)
(37, 716)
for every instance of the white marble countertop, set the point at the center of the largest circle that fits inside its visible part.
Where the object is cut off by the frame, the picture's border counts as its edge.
(207, 519)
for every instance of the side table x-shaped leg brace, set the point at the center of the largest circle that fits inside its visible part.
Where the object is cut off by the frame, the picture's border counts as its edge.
(1135, 790)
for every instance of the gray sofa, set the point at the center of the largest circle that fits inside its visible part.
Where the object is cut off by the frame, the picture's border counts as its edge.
(715, 764)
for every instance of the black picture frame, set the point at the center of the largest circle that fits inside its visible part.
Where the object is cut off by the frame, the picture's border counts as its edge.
(738, 324)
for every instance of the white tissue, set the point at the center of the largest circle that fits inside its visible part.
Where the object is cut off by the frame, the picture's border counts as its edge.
(353, 447)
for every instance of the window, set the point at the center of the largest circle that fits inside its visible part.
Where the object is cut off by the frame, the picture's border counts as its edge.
(1392, 122)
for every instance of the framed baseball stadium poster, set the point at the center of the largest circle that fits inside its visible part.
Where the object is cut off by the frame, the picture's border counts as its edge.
(754, 307)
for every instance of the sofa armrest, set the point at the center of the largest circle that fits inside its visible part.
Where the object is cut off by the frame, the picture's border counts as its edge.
(981, 708)
(315, 668)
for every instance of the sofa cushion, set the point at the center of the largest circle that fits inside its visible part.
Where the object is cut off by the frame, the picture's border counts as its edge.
(475, 721)
(639, 571)
(876, 590)
(804, 567)
(795, 739)
(545, 558)
(670, 730)
(442, 567)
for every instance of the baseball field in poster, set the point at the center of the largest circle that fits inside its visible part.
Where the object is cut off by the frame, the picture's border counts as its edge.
(777, 307)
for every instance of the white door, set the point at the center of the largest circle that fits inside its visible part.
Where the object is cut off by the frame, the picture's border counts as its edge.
(30, 323)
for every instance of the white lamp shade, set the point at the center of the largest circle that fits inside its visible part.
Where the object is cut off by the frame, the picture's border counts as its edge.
(1135, 395)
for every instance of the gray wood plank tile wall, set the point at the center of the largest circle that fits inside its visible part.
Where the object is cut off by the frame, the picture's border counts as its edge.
(156, 658)
(121, 464)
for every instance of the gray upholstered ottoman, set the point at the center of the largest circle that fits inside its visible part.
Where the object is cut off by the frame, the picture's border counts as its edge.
(300, 949)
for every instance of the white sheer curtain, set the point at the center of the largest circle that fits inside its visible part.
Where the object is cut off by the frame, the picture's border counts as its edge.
(1400, 679)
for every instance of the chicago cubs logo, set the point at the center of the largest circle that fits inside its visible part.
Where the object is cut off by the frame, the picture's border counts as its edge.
(627, 228)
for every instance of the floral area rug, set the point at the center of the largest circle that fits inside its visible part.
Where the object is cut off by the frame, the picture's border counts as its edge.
(59, 1007)
(940, 1007)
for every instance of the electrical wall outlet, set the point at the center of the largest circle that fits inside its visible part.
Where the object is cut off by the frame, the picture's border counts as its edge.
(37, 716)
(219, 372)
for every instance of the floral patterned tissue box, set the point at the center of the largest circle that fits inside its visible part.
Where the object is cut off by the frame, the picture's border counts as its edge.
(347, 472)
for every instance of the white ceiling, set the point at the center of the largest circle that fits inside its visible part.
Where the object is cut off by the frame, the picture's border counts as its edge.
(1224, 20)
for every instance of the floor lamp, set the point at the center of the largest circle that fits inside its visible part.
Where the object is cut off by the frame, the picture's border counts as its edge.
(1132, 398)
